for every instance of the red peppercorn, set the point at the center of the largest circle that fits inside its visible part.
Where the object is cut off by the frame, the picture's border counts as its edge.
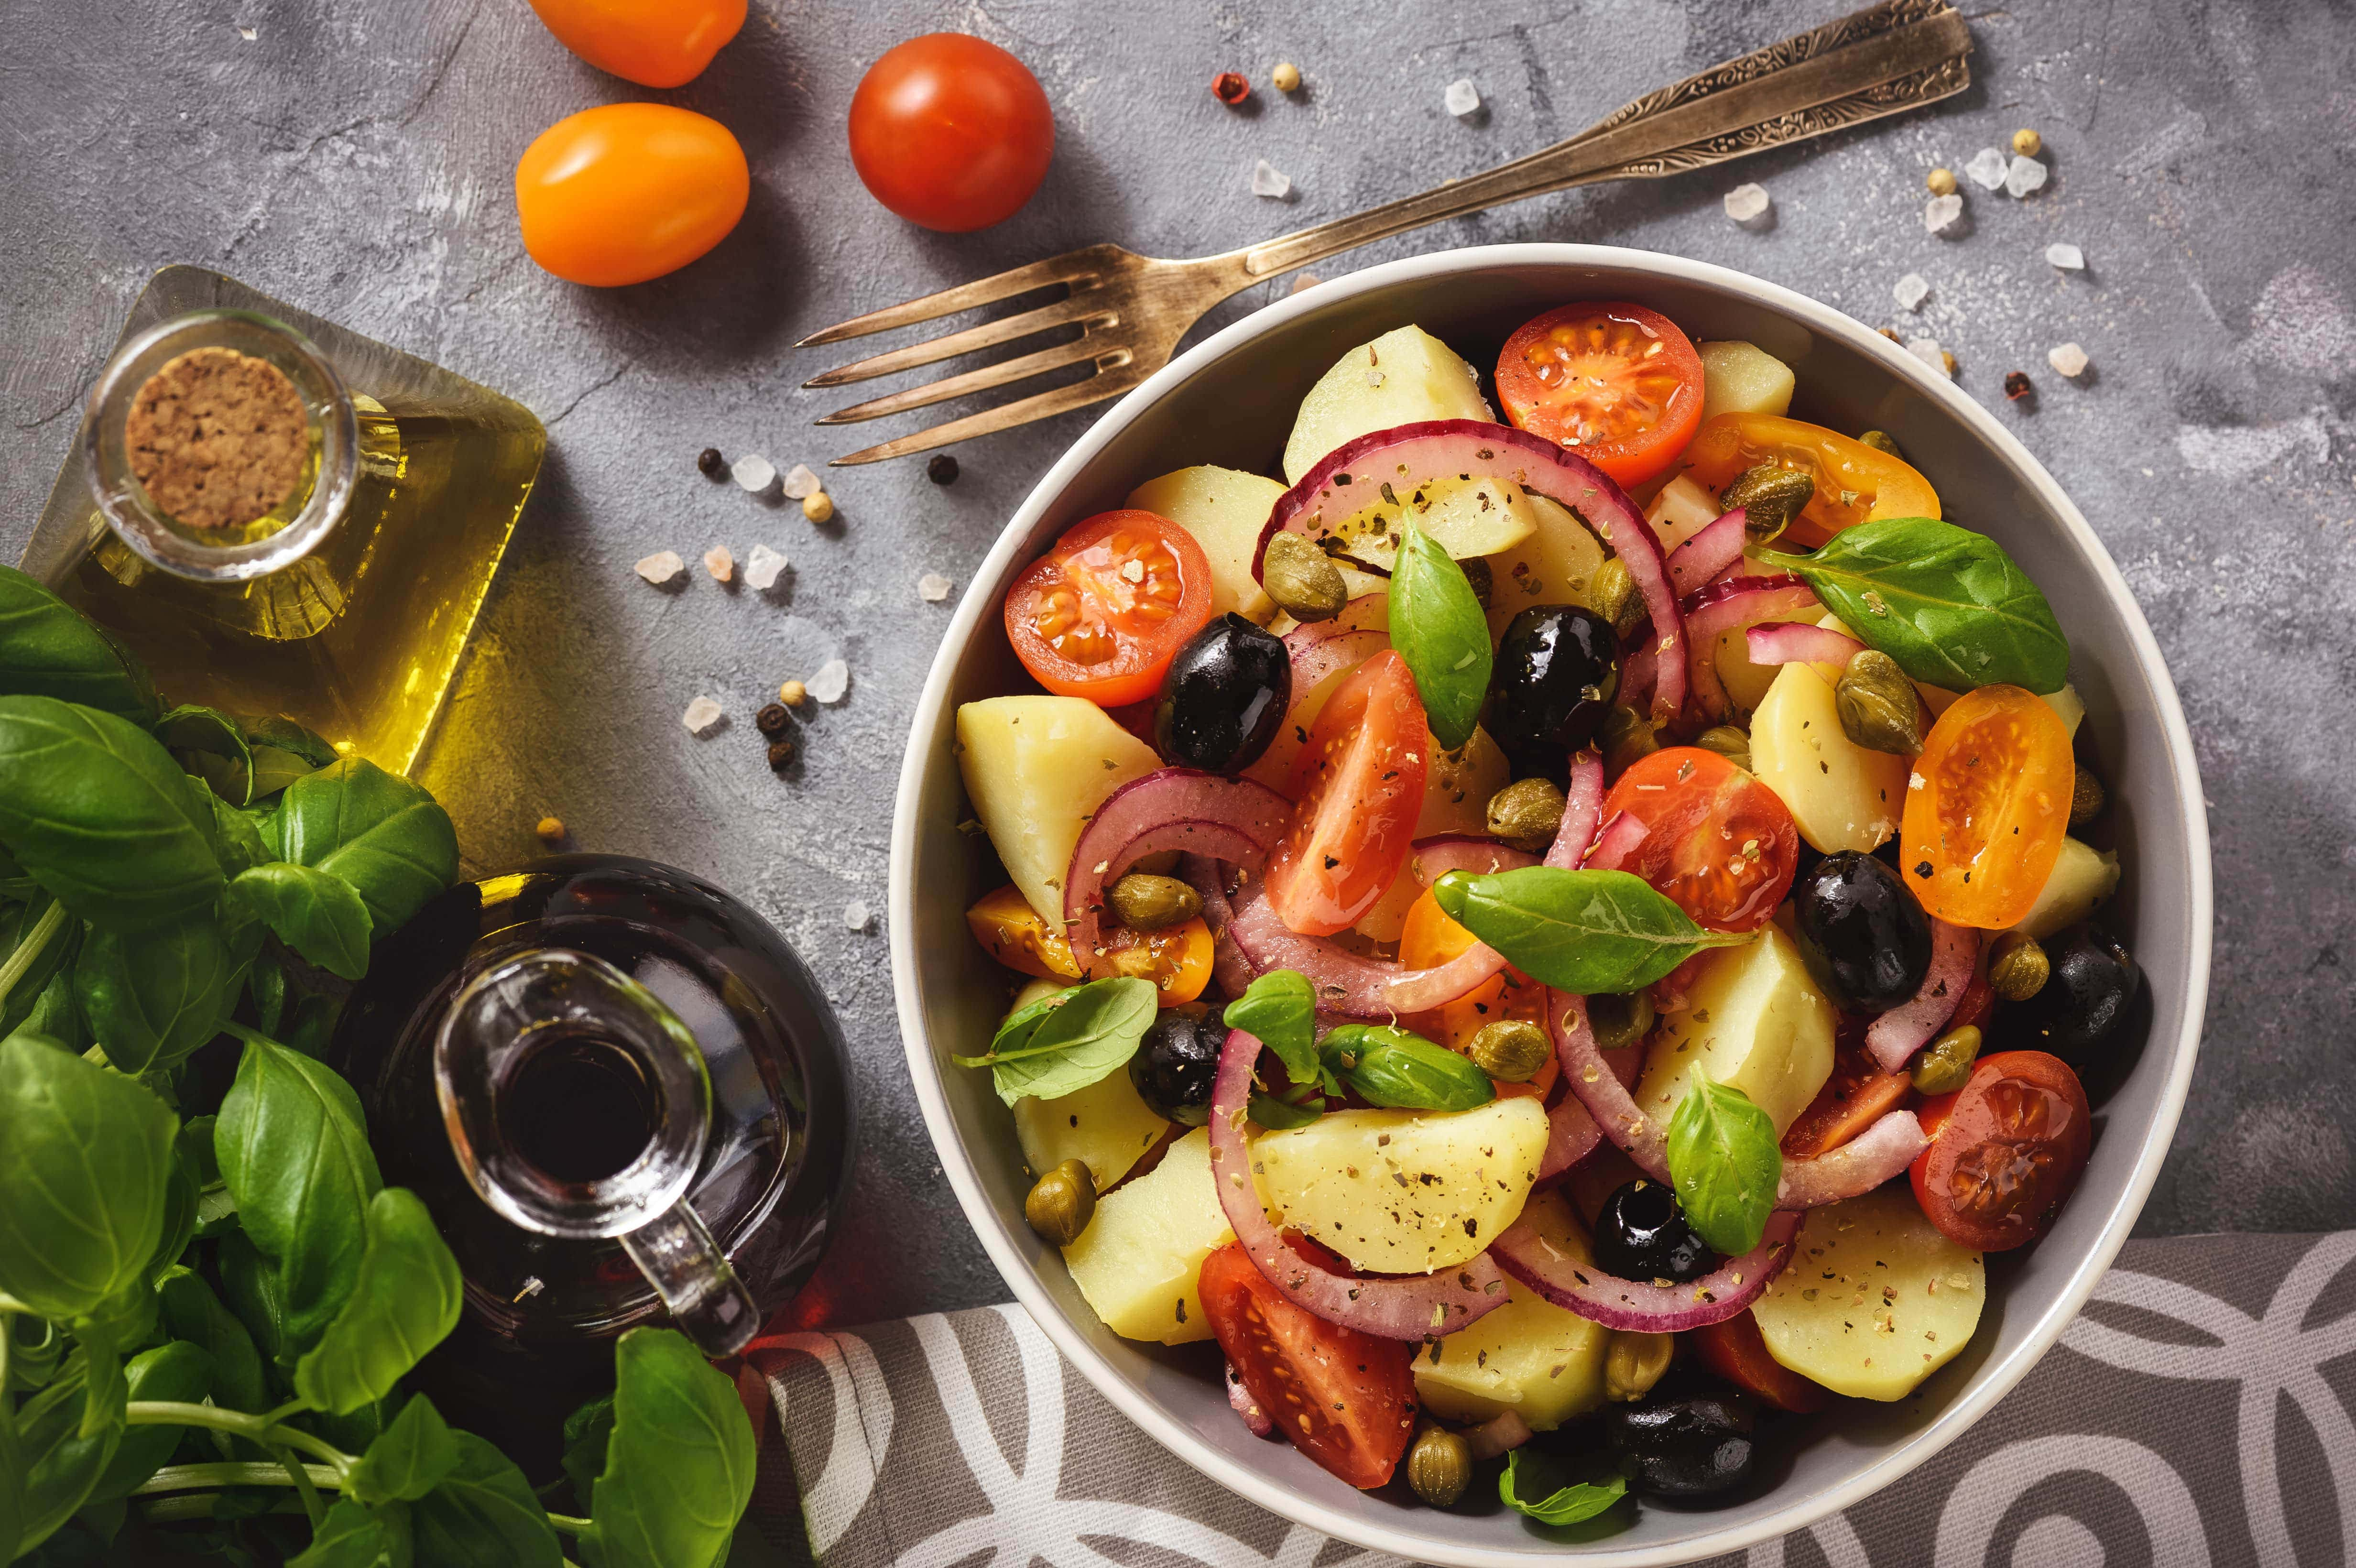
(2016, 384)
(1230, 88)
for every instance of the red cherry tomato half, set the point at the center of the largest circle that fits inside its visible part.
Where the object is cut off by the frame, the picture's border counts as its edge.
(1616, 383)
(1359, 783)
(655, 43)
(1100, 615)
(1345, 1398)
(1720, 844)
(1737, 1351)
(951, 132)
(2007, 1150)
(629, 191)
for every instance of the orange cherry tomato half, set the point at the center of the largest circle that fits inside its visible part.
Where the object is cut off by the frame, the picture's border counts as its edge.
(1101, 614)
(1177, 958)
(1736, 1350)
(628, 192)
(1719, 844)
(1359, 784)
(655, 43)
(1854, 483)
(1987, 808)
(951, 132)
(1856, 1095)
(1011, 931)
(1429, 938)
(2005, 1151)
(1616, 383)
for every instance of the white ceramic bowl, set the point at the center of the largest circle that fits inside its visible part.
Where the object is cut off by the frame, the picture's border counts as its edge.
(1230, 401)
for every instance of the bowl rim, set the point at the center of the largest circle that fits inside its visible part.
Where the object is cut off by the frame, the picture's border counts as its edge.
(1996, 1379)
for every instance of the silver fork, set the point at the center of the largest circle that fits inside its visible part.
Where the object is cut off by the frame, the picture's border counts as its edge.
(1131, 310)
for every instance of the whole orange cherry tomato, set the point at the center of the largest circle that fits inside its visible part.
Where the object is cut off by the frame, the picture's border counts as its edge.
(628, 192)
(655, 43)
(1854, 483)
(1616, 383)
(951, 132)
(1986, 806)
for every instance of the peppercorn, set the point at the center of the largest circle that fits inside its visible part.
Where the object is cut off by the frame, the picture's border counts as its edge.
(1286, 77)
(781, 756)
(818, 506)
(792, 693)
(1941, 182)
(1230, 88)
(942, 469)
(708, 463)
(772, 719)
(550, 830)
(2016, 384)
(2028, 142)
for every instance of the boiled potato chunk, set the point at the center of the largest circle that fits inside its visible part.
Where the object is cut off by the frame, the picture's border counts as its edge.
(1466, 517)
(1684, 508)
(1755, 1021)
(1138, 1259)
(1405, 1191)
(1737, 378)
(1556, 565)
(1036, 768)
(1105, 1126)
(1840, 795)
(1541, 1362)
(1417, 378)
(1875, 1300)
(1224, 510)
(2081, 880)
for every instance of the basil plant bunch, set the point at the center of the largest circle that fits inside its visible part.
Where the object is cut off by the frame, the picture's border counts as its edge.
(209, 1299)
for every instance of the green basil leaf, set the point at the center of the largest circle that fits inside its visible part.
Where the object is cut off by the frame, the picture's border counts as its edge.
(679, 1464)
(238, 837)
(383, 835)
(37, 946)
(1573, 1504)
(85, 1156)
(151, 997)
(278, 731)
(1282, 1116)
(1586, 932)
(1015, 1030)
(192, 1312)
(354, 1535)
(209, 745)
(179, 1373)
(315, 913)
(1090, 1036)
(180, 1197)
(1405, 1072)
(484, 1515)
(1438, 627)
(102, 1339)
(61, 1465)
(254, 1295)
(404, 1302)
(410, 1459)
(48, 649)
(98, 814)
(1280, 1008)
(14, 1463)
(586, 1432)
(1725, 1164)
(1948, 604)
(54, 1013)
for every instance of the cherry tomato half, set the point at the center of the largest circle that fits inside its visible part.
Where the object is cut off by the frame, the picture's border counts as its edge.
(1736, 1350)
(2005, 1151)
(951, 132)
(1616, 383)
(1102, 613)
(1854, 483)
(1856, 1095)
(1359, 784)
(1987, 808)
(1177, 958)
(1011, 931)
(1345, 1398)
(1719, 844)
(629, 191)
(655, 43)
(1429, 938)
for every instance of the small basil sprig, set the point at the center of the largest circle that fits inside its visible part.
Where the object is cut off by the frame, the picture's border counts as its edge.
(1280, 1010)
(1725, 1164)
(1062, 1043)
(1390, 1067)
(1573, 1504)
(1438, 626)
(1587, 932)
(1948, 604)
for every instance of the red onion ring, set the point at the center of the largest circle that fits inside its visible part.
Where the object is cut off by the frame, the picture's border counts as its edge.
(1639, 667)
(1229, 967)
(1430, 448)
(1883, 1150)
(1583, 803)
(1433, 858)
(1709, 554)
(1732, 606)
(1314, 660)
(1788, 641)
(1346, 985)
(1498, 1434)
(1571, 1136)
(1234, 820)
(1913, 1024)
(1617, 841)
(1636, 1304)
(1594, 1084)
(1239, 1399)
(1413, 1309)
(1367, 613)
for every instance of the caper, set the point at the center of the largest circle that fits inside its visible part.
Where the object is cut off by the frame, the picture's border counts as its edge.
(1628, 738)
(1152, 903)
(1770, 495)
(1303, 582)
(1511, 1050)
(1612, 594)
(1526, 814)
(2018, 967)
(1883, 441)
(1062, 1203)
(1440, 1465)
(1879, 708)
(1634, 1363)
(1482, 577)
(1945, 1064)
(1620, 1020)
(1728, 741)
(2086, 798)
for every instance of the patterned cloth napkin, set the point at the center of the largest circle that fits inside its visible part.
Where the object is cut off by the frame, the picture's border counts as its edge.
(2198, 1412)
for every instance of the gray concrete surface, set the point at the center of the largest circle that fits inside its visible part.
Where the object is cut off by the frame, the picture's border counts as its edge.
(355, 158)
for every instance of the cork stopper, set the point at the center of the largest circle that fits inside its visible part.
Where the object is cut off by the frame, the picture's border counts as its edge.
(218, 438)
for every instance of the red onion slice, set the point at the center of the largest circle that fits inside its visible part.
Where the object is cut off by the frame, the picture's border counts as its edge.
(1239, 1399)
(1434, 858)
(1581, 804)
(1229, 967)
(1638, 1305)
(1883, 1150)
(1367, 613)
(1913, 1024)
(1733, 606)
(1346, 985)
(1639, 667)
(1407, 453)
(1233, 820)
(1571, 1136)
(1419, 1308)
(1617, 841)
(1709, 554)
(1313, 661)
(1595, 1086)
(1788, 641)
(1498, 1434)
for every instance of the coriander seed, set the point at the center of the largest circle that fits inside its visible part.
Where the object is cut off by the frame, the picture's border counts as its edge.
(1285, 78)
(793, 693)
(818, 506)
(2028, 142)
(550, 830)
(1942, 181)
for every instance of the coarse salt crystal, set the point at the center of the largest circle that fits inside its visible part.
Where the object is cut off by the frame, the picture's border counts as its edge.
(1267, 181)
(2067, 359)
(2025, 175)
(1912, 290)
(1942, 213)
(763, 567)
(832, 679)
(703, 716)
(754, 473)
(662, 567)
(801, 483)
(1987, 167)
(249, 33)
(1748, 203)
(2067, 257)
(1133, 570)
(1927, 350)
(856, 914)
(720, 563)
(932, 588)
(1376, 378)
(1461, 96)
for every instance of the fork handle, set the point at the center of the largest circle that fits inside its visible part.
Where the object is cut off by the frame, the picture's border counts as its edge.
(1744, 106)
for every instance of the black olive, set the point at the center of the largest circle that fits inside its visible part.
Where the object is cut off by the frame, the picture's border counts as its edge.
(1861, 931)
(1224, 696)
(1558, 668)
(1174, 1065)
(1689, 1447)
(2091, 981)
(1641, 1235)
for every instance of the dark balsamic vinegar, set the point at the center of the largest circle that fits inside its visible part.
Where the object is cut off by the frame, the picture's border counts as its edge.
(579, 1108)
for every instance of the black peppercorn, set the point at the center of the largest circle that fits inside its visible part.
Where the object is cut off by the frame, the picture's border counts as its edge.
(781, 756)
(772, 719)
(942, 470)
(706, 462)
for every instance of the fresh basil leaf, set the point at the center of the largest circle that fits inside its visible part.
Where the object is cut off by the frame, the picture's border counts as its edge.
(404, 1302)
(37, 968)
(48, 649)
(1282, 1116)
(315, 913)
(255, 1295)
(1585, 932)
(1948, 604)
(383, 835)
(411, 1457)
(179, 1373)
(238, 837)
(1090, 1036)
(1573, 1504)
(1015, 1030)
(151, 997)
(354, 1535)
(53, 1013)
(14, 1463)
(586, 1432)
(1438, 627)
(1725, 1164)
(277, 731)
(85, 1156)
(60, 1464)
(1279, 1008)
(190, 1311)
(102, 1339)
(180, 1197)
(679, 1464)
(484, 1515)
(1405, 1072)
(209, 745)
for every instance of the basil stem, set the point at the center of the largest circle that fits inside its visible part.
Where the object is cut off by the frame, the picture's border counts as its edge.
(1438, 626)
(1586, 932)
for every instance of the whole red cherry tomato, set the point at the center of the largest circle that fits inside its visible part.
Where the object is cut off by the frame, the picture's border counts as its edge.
(655, 43)
(628, 192)
(951, 132)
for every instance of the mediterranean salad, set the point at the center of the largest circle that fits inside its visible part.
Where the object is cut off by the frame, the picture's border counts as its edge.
(1564, 937)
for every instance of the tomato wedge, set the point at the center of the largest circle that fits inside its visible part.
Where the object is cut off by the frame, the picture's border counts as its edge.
(1737, 1351)
(1345, 1398)
(1616, 383)
(1720, 844)
(1854, 483)
(2007, 1150)
(1856, 1095)
(1429, 938)
(1101, 614)
(1359, 784)
(1987, 808)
